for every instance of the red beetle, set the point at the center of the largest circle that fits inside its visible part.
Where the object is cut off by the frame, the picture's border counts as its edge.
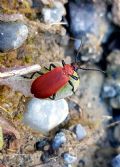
(49, 83)
(46, 85)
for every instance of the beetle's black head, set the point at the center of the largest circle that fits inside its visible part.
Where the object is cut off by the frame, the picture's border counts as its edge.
(75, 66)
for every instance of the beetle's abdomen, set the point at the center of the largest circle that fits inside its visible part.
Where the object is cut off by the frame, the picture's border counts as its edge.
(49, 83)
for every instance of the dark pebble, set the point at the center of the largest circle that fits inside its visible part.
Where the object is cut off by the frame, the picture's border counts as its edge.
(81, 162)
(58, 140)
(41, 144)
(45, 157)
(12, 35)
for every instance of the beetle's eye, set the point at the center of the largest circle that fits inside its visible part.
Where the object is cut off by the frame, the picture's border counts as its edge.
(75, 67)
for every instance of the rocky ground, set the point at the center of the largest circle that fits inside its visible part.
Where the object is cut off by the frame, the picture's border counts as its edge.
(74, 130)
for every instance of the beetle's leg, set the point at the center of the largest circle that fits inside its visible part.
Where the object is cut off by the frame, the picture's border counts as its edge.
(37, 72)
(63, 63)
(52, 97)
(72, 86)
(74, 77)
(50, 67)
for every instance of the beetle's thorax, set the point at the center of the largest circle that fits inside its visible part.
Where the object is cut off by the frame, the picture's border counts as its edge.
(68, 69)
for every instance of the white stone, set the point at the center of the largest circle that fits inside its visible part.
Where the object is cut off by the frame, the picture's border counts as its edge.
(44, 115)
(54, 14)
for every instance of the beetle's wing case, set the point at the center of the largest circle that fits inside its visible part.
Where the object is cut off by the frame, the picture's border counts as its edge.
(49, 83)
(66, 90)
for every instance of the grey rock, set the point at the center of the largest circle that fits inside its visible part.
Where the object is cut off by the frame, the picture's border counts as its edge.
(45, 157)
(86, 17)
(116, 161)
(80, 131)
(58, 140)
(69, 158)
(37, 4)
(12, 35)
(89, 96)
(111, 87)
(116, 12)
(114, 57)
(88, 22)
(115, 102)
(114, 134)
(108, 91)
(54, 15)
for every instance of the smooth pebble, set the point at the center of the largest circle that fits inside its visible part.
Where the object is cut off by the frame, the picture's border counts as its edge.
(44, 115)
(80, 131)
(58, 140)
(12, 35)
(69, 158)
(54, 15)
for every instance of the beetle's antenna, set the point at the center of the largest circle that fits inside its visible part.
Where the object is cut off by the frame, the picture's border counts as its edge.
(79, 50)
(91, 69)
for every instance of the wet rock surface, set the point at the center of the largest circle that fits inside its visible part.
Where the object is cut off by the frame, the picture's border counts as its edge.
(12, 35)
(94, 109)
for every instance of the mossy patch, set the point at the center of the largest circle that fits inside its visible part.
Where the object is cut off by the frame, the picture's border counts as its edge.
(15, 6)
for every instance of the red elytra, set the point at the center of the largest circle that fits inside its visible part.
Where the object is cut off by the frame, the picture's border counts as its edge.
(49, 83)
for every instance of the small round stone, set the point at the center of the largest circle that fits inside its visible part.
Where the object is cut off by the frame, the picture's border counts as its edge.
(116, 161)
(80, 131)
(109, 91)
(12, 35)
(69, 158)
(45, 157)
(58, 140)
(53, 15)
